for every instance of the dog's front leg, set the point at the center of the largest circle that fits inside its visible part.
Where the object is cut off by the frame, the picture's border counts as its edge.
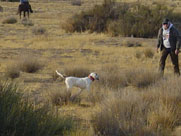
(76, 95)
(80, 91)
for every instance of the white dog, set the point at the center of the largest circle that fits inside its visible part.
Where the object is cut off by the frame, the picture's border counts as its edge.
(81, 83)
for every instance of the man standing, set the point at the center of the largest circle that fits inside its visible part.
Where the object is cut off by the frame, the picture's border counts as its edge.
(168, 43)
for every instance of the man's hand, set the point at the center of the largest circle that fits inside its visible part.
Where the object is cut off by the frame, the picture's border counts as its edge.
(176, 51)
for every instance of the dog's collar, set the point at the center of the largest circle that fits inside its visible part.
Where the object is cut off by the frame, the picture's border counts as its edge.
(91, 78)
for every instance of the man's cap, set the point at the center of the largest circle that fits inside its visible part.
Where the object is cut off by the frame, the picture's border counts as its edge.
(166, 21)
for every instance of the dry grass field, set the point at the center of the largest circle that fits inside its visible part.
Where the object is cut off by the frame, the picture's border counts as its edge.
(32, 49)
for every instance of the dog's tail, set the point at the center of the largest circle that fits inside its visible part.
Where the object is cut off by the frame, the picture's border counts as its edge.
(60, 74)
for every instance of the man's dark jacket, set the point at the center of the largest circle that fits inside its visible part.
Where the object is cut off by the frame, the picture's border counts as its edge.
(174, 39)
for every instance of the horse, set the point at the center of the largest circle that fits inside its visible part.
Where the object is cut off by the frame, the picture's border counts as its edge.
(25, 7)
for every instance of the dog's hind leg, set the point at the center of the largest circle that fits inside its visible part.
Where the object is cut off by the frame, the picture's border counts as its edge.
(68, 92)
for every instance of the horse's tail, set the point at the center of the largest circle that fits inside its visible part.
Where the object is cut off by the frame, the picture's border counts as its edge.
(18, 9)
(30, 9)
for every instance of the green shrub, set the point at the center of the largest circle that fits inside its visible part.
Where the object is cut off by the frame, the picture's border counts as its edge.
(142, 21)
(94, 20)
(121, 19)
(113, 28)
(20, 118)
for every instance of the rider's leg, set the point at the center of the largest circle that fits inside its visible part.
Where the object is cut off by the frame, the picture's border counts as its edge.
(29, 7)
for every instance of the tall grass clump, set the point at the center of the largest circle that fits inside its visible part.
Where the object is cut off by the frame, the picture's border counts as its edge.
(76, 2)
(153, 112)
(177, 131)
(76, 71)
(30, 64)
(12, 71)
(1, 9)
(10, 20)
(141, 78)
(148, 53)
(123, 19)
(20, 118)
(27, 22)
(98, 93)
(60, 97)
(138, 54)
(39, 30)
(131, 44)
(121, 115)
(112, 77)
(166, 115)
(10, 0)
(54, 75)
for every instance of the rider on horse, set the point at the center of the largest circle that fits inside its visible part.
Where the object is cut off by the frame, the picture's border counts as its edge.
(26, 2)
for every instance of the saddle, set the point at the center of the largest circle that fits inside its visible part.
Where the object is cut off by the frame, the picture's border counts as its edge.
(25, 6)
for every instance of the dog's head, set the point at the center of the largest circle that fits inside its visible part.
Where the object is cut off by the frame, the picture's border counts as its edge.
(94, 76)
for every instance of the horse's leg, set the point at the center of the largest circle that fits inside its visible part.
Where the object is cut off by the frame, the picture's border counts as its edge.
(17, 11)
(24, 14)
(20, 14)
(28, 13)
